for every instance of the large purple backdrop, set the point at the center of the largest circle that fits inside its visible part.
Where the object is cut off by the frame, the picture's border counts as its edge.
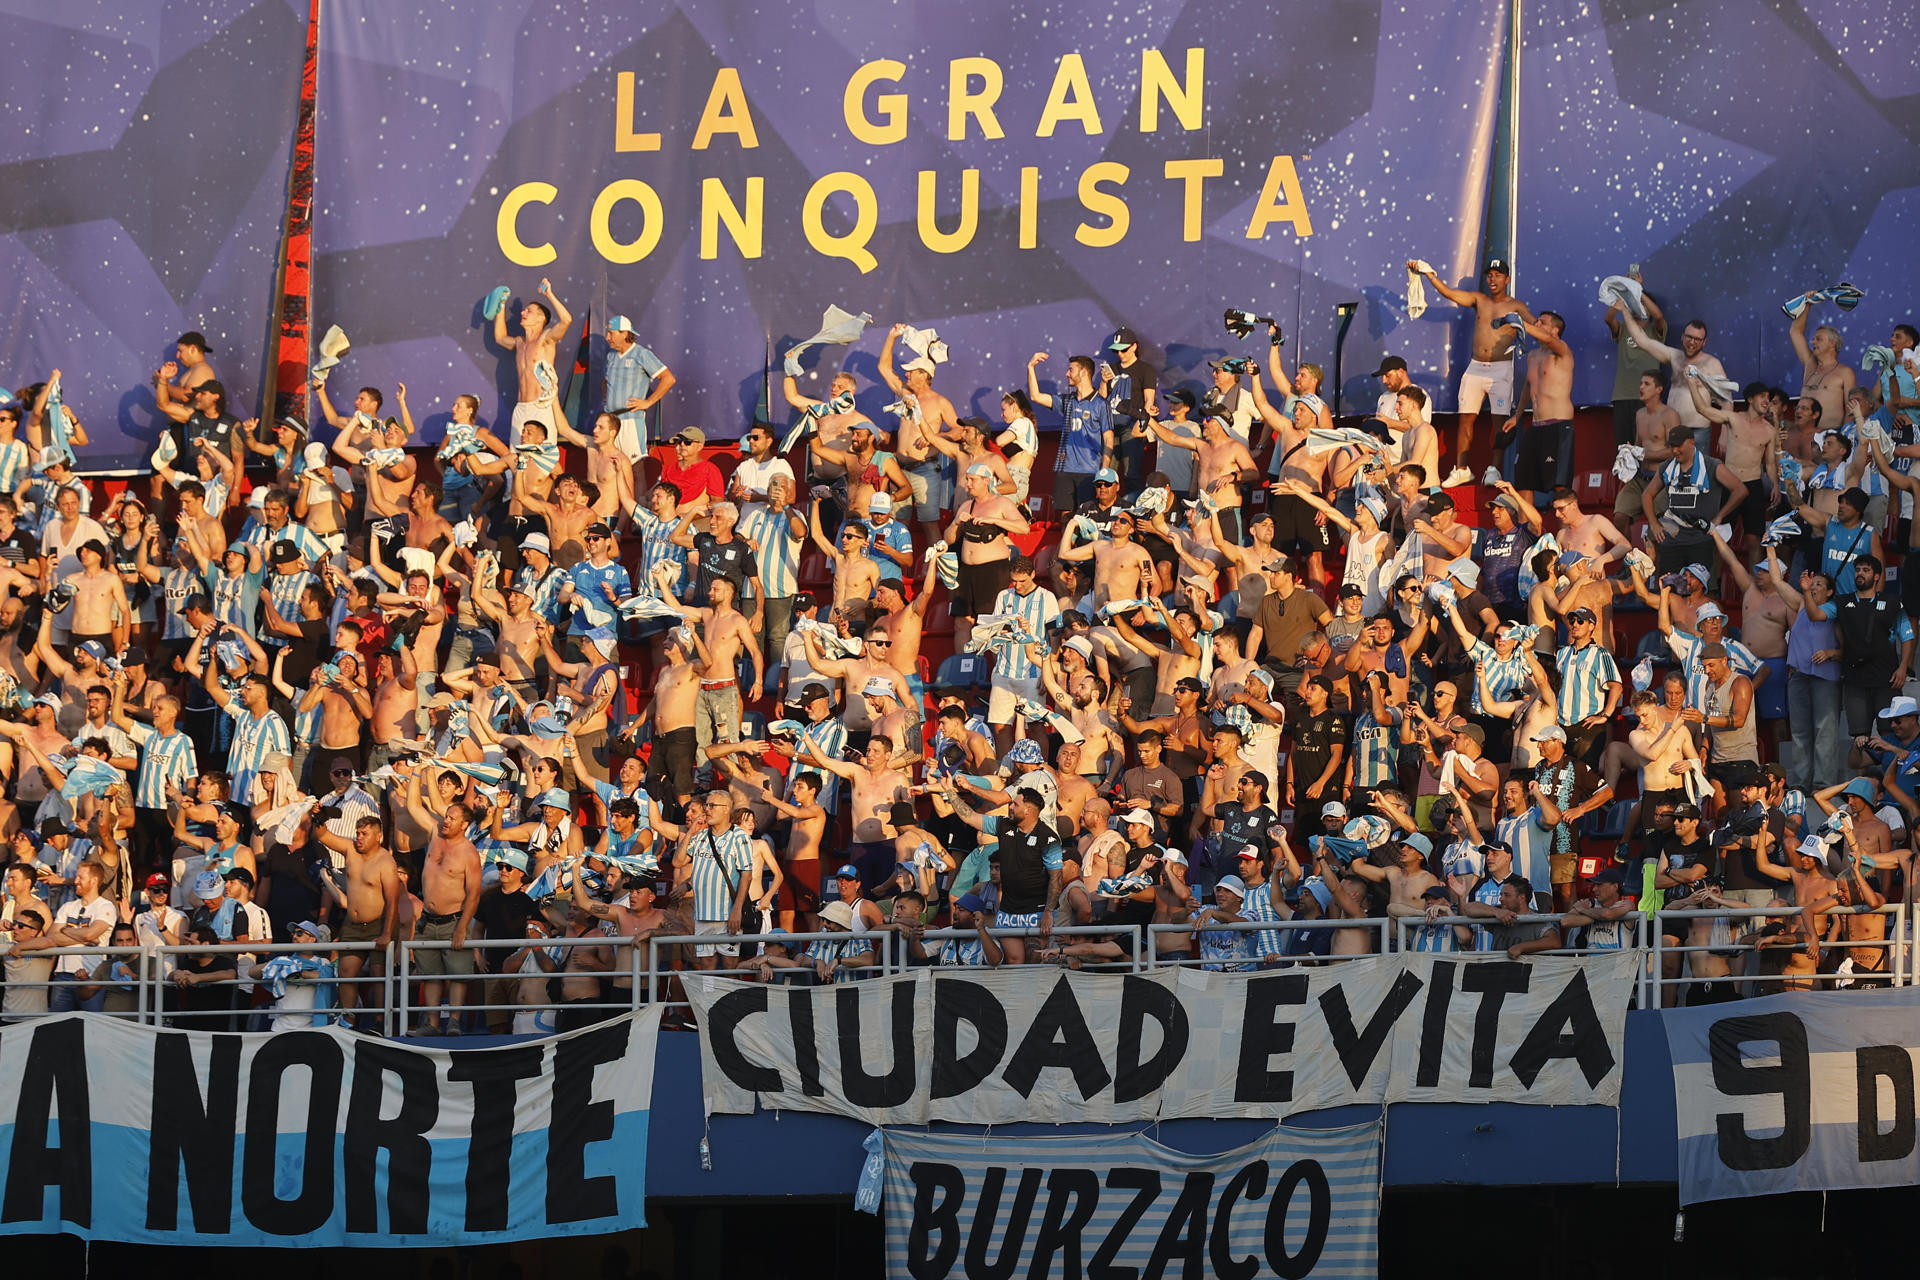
(144, 151)
(433, 115)
(1741, 150)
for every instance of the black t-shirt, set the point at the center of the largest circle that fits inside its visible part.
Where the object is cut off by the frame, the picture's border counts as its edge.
(1239, 826)
(1684, 857)
(503, 915)
(218, 431)
(1128, 394)
(1023, 865)
(1314, 738)
(294, 894)
(732, 560)
(304, 653)
(19, 547)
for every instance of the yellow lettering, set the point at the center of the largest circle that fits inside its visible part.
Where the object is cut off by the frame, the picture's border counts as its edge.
(1103, 204)
(624, 138)
(726, 112)
(1194, 174)
(640, 246)
(1187, 100)
(962, 101)
(1029, 206)
(508, 233)
(716, 207)
(853, 245)
(1070, 98)
(893, 106)
(1280, 201)
(930, 234)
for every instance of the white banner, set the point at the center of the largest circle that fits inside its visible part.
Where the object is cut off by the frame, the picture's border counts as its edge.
(984, 1046)
(113, 1131)
(1297, 1202)
(1798, 1092)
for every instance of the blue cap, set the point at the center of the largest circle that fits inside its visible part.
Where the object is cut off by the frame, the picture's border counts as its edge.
(619, 324)
(847, 871)
(95, 650)
(1106, 475)
(555, 798)
(970, 902)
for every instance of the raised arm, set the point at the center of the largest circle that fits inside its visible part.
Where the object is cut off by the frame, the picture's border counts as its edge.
(1038, 397)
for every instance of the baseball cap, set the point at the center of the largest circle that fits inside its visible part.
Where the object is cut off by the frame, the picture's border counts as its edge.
(207, 885)
(619, 324)
(1611, 875)
(1388, 365)
(811, 692)
(1856, 498)
(689, 435)
(1185, 397)
(1435, 891)
(95, 650)
(1499, 264)
(847, 871)
(598, 529)
(193, 338)
(1139, 817)
(537, 542)
(970, 902)
(1192, 684)
(1582, 614)
(1508, 501)
(1106, 475)
(1552, 733)
(1333, 809)
(305, 926)
(881, 502)
(241, 874)
(1351, 589)
(132, 657)
(284, 552)
(515, 858)
(1122, 339)
(1233, 885)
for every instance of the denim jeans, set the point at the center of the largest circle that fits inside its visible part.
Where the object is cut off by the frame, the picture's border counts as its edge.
(65, 999)
(1813, 709)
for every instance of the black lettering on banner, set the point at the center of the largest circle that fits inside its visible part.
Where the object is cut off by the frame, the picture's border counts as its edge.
(1141, 999)
(1433, 1025)
(1058, 1038)
(1302, 1261)
(721, 1025)
(1145, 1184)
(806, 1053)
(1495, 980)
(1791, 1079)
(260, 1163)
(494, 1075)
(860, 1087)
(955, 1001)
(1059, 1229)
(1263, 1035)
(1250, 1181)
(1872, 1064)
(1357, 1051)
(56, 1073)
(403, 1138)
(190, 1130)
(1568, 1028)
(1014, 1238)
(930, 1220)
(578, 1120)
(1184, 1235)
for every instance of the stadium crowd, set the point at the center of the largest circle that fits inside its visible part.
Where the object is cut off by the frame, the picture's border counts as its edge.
(1195, 657)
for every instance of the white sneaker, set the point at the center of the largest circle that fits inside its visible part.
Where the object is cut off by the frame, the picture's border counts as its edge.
(1457, 477)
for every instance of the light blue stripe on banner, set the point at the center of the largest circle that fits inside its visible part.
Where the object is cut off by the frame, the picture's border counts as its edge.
(119, 1192)
(1155, 1210)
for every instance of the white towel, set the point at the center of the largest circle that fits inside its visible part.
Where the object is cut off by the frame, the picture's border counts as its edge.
(1417, 288)
(1626, 461)
(1626, 291)
(1643, 675)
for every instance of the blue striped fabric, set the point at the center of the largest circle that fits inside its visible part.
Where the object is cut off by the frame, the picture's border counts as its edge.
(13, 465)
(657, 548)
(1376, 750)
(1011, 1182)
(1686, 647)
(163, 760)
(719, 862)
(253, 741)
(1585, 674)
(779, 553)
(285, 589)
(1507, 677)
(1037, 608)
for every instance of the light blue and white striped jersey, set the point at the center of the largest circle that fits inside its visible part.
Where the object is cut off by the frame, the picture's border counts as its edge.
(285, 589)
(1432, 937)
(825, 950)
(176, 584)
(1223, 950)
(254, 739)
(657, 547)
(1532, 843)
(306, 725)
(1462, 858)
(13, 465)
(1037, 608)
(546, 595)
(1686, 647)
(1259, 906)
(1585, 673)
(235, 597)
(1507, 678)
(1487, 891)
(608, 793)
(163, 759)
(779, 553)
(830, 740)
(963, 952)
(719, 861)
(1376, 750)
(630, 375)
(217, 493)
(312, 550)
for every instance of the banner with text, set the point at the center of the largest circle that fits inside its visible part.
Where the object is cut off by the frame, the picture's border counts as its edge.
(1297, 1202)
(112, 1131)
(1011, 175)
(987, 1047)
(1801, 1092)
(143, 189)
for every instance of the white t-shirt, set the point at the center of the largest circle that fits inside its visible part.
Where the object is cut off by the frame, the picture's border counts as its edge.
(756, 476)
(76, 912)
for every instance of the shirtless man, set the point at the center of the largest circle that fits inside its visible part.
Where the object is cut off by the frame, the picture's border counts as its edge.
(1489, 378)
(901, 622)
(854, 572)
(1822, 376)
(1084, 699)
(1122, 568)
(1178, 659)
(727, 634)
(100, 610)
(1224, 467)
(389, 485)
(344, 706)
(1591, 534)
(1074, 789)
(516, 630)
(542, 324)
(877, 787)
(607, 468)
(834, 431)
(449, 893)
(1690, 354)
(637, 918)
(856, 672)
(676, 692)
(568, 514)
(394, 701)
(1295, 522)
(1652, 422)
(868, 469)
(971, 449)
(1406, 880)
(803, 848)
(1184, 735)
(1549, 439)
(891, 721)
(933, 416)
(174, 383)
(1749, 443)
(372, 894)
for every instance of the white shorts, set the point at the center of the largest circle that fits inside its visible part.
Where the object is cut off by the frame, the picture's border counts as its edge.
(1490, 381)
(703, 927)
(1005, 693)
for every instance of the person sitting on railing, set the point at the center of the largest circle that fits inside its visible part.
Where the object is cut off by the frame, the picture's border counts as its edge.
(1602, 916)
(1510, 934)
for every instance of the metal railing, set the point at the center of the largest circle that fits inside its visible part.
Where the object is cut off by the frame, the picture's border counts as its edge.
(1407, 925)
(167, 968)
(405, 975)
(1656, 983)
(93, 955)
(1379, 926)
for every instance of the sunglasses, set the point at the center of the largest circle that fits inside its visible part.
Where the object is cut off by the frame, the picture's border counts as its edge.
(679, 440)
